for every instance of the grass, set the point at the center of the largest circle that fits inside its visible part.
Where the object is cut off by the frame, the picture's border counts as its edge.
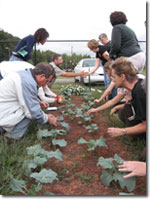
(13, 155)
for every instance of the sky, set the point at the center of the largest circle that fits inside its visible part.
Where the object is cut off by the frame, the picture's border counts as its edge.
(69, 20)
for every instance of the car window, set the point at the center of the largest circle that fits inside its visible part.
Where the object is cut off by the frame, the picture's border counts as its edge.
(79, 63)
(88, 63)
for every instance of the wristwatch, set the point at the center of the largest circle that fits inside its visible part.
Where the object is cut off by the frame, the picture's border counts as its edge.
(124, 132)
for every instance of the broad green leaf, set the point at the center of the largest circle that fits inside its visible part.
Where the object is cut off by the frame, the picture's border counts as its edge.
(101, 142)
(130, 183)
(117, 176)
(45, 176)
(18, 185)
(118, 159)
(61, 142)
(61, 119)
(106, 177)
(106, 163)
(34, 150)
(51, 133)
(65, 125)
(30, 164)
(55, 154)
(37, 150)
(82, 141)
(44, 133)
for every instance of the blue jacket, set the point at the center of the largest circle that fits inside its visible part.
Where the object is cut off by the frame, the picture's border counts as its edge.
(29, 42)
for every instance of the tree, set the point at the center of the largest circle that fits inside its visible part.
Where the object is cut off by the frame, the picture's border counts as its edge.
(7, 45)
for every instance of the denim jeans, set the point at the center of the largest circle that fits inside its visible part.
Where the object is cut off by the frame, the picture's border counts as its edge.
(19, 129)
(106, 80)
(14, 58)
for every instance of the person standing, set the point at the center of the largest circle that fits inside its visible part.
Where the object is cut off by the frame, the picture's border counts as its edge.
(124, 42)
(104, 40)
(102, 56)
(23, 50)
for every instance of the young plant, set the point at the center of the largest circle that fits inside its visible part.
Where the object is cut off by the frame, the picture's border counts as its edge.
(37, 156)
(69, 112)
(92, 144)
(111, 173)
(91, 128)
(52, 133)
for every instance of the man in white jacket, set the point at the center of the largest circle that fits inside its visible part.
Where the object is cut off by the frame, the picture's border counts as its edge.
(44, 93)
(18, 100)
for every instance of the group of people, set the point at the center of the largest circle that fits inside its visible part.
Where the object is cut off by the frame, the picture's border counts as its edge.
(26, 88)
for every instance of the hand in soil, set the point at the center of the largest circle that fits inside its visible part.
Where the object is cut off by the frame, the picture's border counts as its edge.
(136, 168)
(114, 132)
(92, 110)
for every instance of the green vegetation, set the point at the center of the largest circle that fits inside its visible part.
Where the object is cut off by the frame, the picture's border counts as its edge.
(111, 173)
(23, 162)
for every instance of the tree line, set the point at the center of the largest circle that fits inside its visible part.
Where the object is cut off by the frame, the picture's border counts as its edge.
(8, 43)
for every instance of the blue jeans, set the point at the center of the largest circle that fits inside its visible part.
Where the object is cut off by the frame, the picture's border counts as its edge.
(14, 58)
(19, 129)
(106, 80)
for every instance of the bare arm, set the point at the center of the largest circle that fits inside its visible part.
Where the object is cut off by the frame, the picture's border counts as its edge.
(134, 130)
(106, 55)
(106, 92)
(97, 63)
(108, 104)
(71, 74)
(116, 108)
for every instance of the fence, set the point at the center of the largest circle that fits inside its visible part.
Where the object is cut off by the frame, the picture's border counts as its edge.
(59, 46)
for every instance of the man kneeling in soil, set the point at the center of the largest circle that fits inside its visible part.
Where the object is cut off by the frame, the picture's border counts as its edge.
(18, 100)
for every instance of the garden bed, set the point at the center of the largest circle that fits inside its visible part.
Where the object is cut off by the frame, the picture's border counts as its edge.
(78, 173)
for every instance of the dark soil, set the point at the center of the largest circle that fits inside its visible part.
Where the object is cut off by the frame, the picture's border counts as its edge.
(78, 173)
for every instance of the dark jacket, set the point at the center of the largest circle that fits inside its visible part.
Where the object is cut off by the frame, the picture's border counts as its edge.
(123, 42)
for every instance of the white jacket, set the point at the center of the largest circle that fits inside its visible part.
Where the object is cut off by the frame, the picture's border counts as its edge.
(18, 99)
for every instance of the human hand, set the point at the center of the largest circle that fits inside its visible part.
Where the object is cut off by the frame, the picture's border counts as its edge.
(96, 101)
(84, 74)
(113, 110)
(92, 110)
(52, 120)
(44, 104)
(114, 132)
(105, 99)
(135, 167)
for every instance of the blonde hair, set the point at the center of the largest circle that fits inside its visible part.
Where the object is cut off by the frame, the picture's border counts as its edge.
(123, 66)
(108, 65)
(93, 44)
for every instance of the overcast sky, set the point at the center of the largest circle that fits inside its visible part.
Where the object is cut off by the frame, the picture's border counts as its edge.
(69, 19)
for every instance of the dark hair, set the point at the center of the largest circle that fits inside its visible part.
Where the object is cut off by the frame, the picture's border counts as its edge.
(44, 68)
(55, 57)
(40, 35)
(118, 18)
